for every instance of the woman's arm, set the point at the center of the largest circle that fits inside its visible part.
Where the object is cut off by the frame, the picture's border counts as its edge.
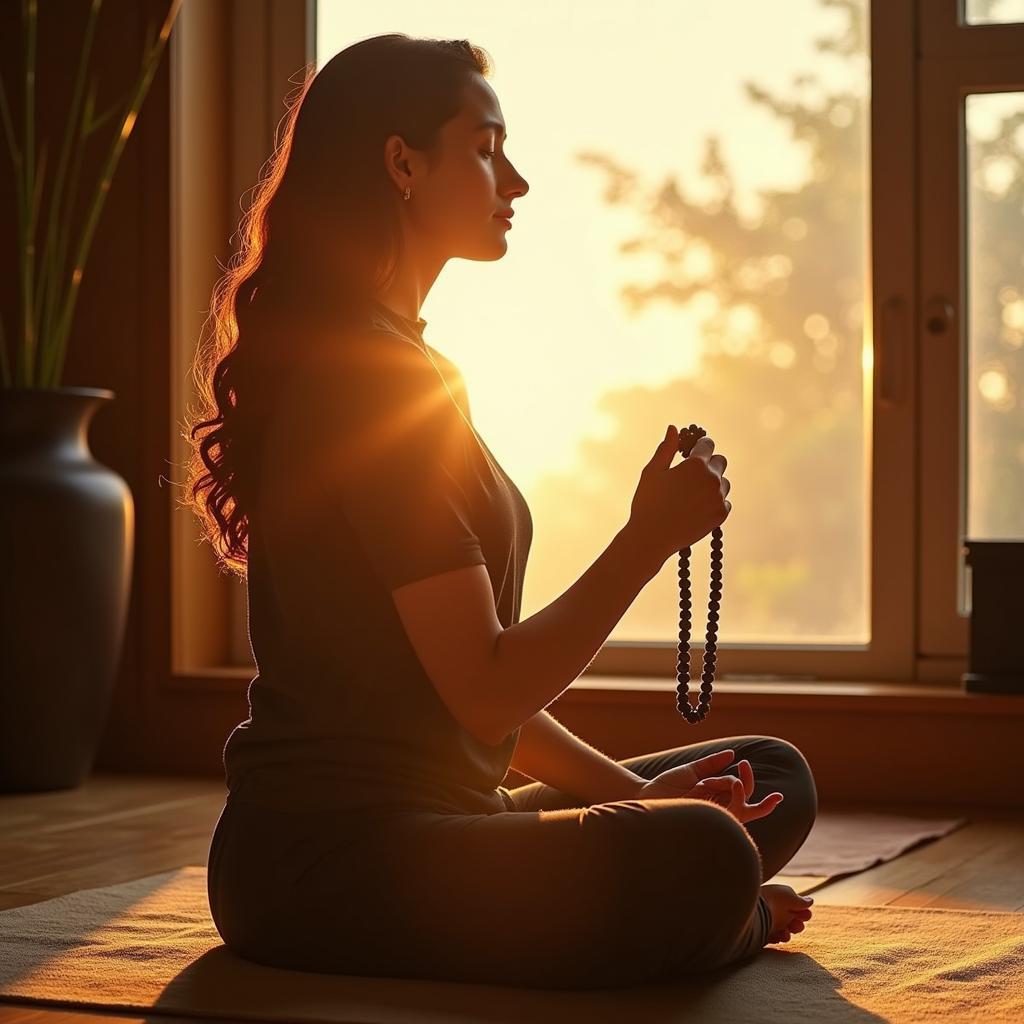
(536, 659)
(549, 753)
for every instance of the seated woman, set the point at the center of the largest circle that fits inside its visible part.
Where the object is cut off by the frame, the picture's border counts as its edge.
(366, 830)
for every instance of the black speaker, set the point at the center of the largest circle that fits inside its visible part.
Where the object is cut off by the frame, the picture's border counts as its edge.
(996, 659)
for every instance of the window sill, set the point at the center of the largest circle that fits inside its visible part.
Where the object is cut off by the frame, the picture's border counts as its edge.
(909, 698)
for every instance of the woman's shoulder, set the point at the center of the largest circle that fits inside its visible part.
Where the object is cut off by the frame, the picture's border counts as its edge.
(366, 377)
(364, 356)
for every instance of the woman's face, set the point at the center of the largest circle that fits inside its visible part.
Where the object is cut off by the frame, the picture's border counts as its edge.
(453, 206)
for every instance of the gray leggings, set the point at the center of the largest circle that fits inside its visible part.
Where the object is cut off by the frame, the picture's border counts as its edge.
(553, 895)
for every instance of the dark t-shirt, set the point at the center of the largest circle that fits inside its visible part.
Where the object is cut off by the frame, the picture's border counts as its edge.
(371, 476)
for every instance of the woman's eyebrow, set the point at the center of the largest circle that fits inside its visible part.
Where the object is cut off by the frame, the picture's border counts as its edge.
(491, 124)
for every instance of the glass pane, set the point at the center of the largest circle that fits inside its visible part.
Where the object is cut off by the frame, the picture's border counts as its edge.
(693, 248)
(993, 12)
(995, 321)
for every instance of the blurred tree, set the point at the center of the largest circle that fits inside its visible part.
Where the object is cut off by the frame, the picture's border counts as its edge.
(780, 387)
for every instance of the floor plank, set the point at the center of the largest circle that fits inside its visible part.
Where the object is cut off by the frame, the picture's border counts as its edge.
(42, 1015)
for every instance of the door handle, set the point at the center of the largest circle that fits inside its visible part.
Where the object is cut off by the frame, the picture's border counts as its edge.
(938, 315)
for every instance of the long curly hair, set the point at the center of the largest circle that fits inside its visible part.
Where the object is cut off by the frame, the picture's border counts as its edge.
(322, 232)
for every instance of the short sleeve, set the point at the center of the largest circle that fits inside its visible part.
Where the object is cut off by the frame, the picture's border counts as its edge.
(393, 458)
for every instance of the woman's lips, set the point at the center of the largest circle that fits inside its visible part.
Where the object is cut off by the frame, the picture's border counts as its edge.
(504, 220)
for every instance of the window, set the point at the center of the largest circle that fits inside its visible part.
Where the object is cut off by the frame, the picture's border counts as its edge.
(693, 249)
(971, 149)
(993, 12)
(994, 382)
(701, 243)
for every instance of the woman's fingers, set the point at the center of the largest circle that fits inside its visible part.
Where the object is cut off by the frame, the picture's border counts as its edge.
(719, 782)
(715, 791)
(718, 786)
(710, 764)
(738, 800)
(733, 792)
(767, 805)
(759, 810)
(746, 774)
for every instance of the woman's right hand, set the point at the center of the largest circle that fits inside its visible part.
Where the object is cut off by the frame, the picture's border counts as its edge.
(695, 780)
(675, 506)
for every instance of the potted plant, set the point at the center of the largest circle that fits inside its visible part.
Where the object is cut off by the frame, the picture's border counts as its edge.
(66, 520)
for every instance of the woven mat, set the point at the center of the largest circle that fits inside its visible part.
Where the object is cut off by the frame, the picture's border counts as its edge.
(843, 844)
(150, 944)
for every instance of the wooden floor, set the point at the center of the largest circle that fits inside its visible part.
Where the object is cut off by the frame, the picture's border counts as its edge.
(116, 828)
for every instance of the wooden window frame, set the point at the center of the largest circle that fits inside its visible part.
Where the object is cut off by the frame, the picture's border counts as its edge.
(914, 641)
(956, 60)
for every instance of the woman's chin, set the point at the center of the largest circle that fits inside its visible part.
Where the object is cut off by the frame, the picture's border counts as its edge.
(494, 251)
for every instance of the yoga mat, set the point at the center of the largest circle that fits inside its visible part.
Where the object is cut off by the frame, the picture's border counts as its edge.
(150, 944)
(848, 842)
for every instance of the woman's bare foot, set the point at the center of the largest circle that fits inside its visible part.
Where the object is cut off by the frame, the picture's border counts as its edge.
(789, 910)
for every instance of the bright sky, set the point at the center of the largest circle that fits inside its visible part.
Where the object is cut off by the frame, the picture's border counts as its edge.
(541, 333)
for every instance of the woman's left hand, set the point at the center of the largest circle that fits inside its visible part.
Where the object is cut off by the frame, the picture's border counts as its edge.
(698, 781)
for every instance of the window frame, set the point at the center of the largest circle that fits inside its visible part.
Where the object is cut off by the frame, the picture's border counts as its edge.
(268, 41)
(956, 61)
(944, 32)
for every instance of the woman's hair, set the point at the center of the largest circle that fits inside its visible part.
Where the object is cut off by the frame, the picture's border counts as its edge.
(322, 233)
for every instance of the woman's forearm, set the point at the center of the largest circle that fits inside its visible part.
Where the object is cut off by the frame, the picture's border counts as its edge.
(549, 753)
(537, 658)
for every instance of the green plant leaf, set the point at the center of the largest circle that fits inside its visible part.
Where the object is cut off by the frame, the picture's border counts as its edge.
(150, 63)
(122, 104)
(48, 282)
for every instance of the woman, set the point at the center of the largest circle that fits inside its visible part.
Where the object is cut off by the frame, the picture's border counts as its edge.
(366, 830)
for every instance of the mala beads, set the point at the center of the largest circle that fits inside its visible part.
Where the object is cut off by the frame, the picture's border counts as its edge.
(687, 439)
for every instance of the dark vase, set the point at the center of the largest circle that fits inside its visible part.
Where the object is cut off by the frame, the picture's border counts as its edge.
(67, 529)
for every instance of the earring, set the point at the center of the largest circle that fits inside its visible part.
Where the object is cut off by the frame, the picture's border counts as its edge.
(408, 192)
